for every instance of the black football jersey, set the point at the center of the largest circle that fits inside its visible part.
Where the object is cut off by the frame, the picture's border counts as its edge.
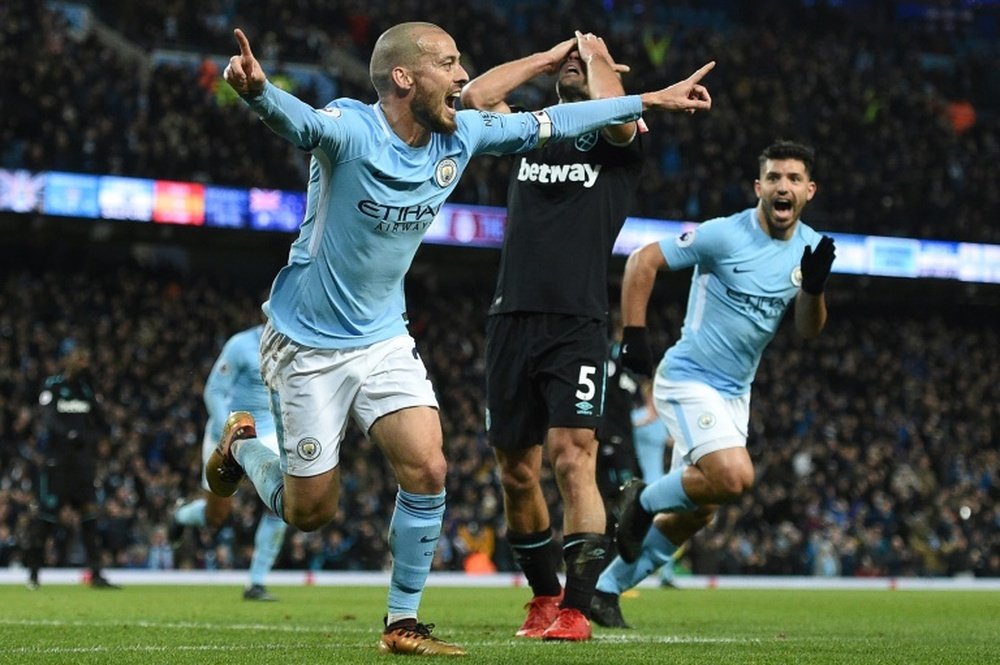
(565, 206)
(70, 414)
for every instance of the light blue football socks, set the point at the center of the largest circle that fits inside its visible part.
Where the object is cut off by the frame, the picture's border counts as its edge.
(413, 536)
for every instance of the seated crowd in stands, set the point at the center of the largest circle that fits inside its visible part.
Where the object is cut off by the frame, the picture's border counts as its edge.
(904, 112)
(875, 444)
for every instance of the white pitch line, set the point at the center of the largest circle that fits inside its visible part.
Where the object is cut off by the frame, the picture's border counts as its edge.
(187, 625)
(139, 648)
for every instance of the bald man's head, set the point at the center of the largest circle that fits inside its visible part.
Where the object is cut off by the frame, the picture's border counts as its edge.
(399, 46)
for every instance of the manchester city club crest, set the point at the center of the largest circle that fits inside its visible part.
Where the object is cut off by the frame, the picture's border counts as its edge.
(706, 420)
(585, 142)
(446, 171)
(308, 449)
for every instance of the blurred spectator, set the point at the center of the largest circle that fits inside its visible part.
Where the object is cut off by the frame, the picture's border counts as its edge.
(906, 110)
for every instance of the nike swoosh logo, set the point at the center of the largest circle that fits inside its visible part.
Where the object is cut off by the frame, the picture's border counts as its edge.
(736, 269)
(428, 539)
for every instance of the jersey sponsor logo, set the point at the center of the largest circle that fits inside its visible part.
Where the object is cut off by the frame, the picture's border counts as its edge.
(685, 239)
(308, 449)
(72, 406)
(333, 112)
(767, 306)
(706, 421)
(585, 142)
(555, 174)
(796, 276)
(446, 172)
(399, 219)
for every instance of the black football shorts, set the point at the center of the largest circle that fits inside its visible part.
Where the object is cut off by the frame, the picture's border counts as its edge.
(542, 371)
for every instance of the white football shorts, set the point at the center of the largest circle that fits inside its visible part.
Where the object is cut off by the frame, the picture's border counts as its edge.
(699, 419)
(318, 389)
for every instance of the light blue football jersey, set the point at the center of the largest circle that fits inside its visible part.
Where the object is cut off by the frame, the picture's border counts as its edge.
(235, 384)
(743, 283)
(371, 199)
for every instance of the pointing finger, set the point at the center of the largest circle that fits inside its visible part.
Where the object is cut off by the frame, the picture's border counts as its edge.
(700, 74)
(244, 43)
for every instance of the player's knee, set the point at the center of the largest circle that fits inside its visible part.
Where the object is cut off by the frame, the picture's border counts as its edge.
(517, 478)
(732, 483)
(572, 452)
(309, 520)
(572, 464)
(426, 476)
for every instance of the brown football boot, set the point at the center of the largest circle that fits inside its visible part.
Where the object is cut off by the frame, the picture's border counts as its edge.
(411, 638)
(223, 472)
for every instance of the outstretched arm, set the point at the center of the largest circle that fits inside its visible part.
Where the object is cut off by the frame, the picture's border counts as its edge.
(687, 95)
(286, 115)
(488, 91)
(576, 118)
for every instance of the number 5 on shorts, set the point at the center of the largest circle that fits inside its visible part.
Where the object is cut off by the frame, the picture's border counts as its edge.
(587, 388)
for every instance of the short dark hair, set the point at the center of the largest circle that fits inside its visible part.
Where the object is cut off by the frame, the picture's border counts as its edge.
(789, 150)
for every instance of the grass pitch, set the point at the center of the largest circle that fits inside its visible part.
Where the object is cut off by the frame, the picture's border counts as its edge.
(212, 624)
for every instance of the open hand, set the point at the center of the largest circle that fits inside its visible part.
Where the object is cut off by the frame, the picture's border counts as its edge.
(816, 265)
(243, 72)
(590, 45)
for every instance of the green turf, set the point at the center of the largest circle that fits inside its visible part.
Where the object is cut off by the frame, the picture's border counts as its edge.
(202, 624)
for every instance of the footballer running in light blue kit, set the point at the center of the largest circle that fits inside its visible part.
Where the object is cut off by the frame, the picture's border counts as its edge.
(235, 383)
(748, 269)
(336, 345)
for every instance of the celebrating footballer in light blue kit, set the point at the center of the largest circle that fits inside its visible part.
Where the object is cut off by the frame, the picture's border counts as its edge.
(235, 383)
(748, 269)
(336, 346)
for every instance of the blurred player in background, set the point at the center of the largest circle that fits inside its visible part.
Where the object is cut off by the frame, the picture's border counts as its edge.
(748, 268)
(651, 442)
(71, 428)
(336, 345)
(233, 384)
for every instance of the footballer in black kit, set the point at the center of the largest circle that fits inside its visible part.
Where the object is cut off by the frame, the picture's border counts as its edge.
(546, 333)
(72, 426)
(547, 340)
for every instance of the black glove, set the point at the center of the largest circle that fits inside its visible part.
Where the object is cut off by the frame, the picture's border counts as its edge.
(636, 355)
(816, 265)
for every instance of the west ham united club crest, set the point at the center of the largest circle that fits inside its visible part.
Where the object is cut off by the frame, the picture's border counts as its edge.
(585, 142)
(445, 172)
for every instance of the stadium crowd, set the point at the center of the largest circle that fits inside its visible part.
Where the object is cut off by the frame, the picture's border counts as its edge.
(902, 106)
(876, 444)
